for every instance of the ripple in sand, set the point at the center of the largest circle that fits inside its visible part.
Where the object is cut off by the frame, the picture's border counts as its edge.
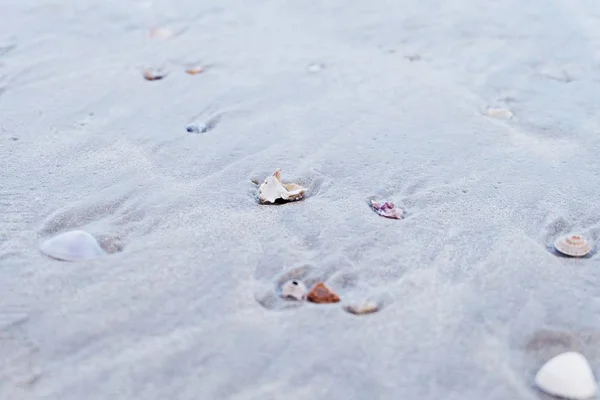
(17, 363)
(567, 375)
(78, 245)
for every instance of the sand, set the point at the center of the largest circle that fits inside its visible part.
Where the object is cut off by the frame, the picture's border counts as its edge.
(353, 99)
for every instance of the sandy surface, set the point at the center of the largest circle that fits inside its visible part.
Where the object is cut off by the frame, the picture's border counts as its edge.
(353, 99)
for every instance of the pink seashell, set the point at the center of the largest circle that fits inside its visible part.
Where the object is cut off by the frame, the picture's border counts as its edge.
(573, 245)
(387, 209)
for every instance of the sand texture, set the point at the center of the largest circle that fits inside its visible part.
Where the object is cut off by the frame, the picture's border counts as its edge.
(354, 100)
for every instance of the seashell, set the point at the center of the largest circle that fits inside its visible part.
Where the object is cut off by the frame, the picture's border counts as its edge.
(152, 75)
(500, 113)
(567, 375)
(322, 294)
(161, 33)
(294, 289)
(387, 209)
(573, 245)
(194, 70)
(72, 246)
(315, 67)
(197, 128)
(272, 190)
(365, 307)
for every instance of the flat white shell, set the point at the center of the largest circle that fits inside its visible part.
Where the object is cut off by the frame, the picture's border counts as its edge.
(500, 113)
(72, 246)
(294, 289)
(567, 375)
(272, 189)
(573, 245)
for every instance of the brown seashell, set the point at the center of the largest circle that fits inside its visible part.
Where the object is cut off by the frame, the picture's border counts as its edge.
(194, 70)
(573, 245)
(321, 294)
(367, 307)
(151, 75)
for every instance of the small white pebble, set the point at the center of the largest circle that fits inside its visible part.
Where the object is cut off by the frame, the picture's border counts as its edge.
(294, 289)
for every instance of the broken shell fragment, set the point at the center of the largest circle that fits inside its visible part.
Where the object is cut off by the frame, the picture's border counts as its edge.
(573, 245)
(366, 307)
(500, 113)
(152, 75)
(294, 290)
(72, 246)
(387, 209)
(272, 190)
(321, 294)
(567, 375)
(194, 70)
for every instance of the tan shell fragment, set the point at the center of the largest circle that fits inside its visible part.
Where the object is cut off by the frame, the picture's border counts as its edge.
(194, 70)
(273, 190)
(573, 245)
(366, 307)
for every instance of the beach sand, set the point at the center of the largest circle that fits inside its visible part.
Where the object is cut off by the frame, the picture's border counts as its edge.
(352, 99)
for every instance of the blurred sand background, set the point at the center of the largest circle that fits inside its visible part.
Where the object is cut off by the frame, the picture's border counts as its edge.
(353, 99)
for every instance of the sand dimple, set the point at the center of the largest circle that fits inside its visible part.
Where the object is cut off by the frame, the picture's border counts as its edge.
(18, 364)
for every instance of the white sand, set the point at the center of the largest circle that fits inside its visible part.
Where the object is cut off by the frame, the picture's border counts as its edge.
(395, 109)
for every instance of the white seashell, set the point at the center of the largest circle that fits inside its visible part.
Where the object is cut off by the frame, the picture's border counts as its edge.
(567, 375)
(272, 189)
(294, 289)
(72, 246)
(500, 113)
(366, 307)
(573, 245)
(316, 67)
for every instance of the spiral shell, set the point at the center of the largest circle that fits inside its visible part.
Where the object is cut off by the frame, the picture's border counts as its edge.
(573, 245)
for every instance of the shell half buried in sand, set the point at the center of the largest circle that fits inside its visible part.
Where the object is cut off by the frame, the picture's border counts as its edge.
(364, 307)
(386, 209)
(294, 290)
(72, 246)
(573, 245)
(272, 190)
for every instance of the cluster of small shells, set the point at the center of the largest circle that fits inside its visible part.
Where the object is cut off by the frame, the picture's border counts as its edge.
(322, 294)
